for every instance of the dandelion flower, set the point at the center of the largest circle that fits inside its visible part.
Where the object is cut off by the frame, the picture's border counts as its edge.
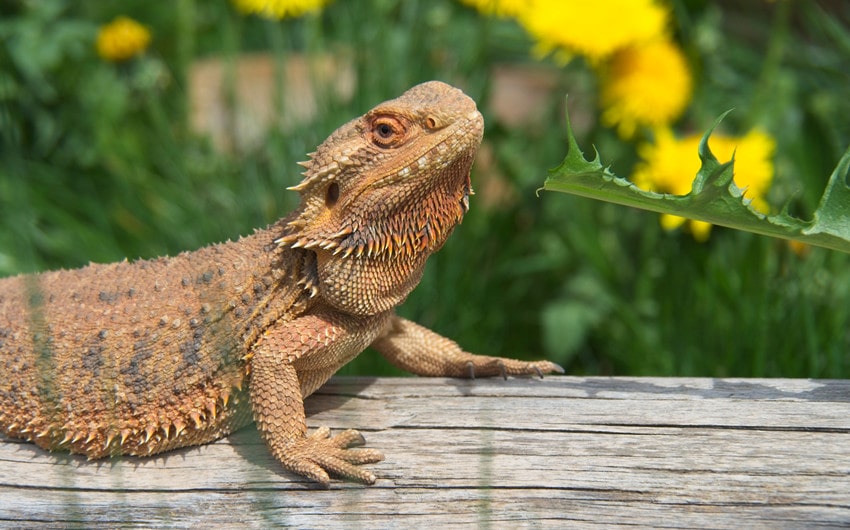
(669, 166)
(593, 29)
(646, 84)
(122, 39)
(279, 9)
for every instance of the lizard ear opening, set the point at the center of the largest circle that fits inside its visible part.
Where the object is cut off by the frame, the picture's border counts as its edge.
(332, 194)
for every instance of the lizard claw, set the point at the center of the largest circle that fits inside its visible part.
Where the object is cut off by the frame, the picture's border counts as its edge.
(484, 366)
(487, 369)
(319, 455)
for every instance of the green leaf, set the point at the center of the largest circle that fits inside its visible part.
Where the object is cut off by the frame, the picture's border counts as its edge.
(713, 198)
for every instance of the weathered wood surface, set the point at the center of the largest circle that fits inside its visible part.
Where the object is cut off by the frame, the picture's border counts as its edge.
(558, 452)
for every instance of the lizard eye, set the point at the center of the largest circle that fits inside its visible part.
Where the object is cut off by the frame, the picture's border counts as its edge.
(387, 131)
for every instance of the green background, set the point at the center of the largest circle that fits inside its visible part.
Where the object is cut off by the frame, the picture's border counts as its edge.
(99, 161)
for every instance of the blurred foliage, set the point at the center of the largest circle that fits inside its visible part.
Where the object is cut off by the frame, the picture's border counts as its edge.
(98, 162)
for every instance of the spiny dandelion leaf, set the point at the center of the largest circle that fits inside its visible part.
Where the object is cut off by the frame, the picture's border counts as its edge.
(714, 196)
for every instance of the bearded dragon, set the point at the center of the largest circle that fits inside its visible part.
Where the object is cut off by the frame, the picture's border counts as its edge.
(141, 357)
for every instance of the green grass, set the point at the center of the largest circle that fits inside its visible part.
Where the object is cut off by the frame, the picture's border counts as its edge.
(97, 162)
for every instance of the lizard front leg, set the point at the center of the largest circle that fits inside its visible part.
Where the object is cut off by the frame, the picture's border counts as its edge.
(288, 362)
(417, 349)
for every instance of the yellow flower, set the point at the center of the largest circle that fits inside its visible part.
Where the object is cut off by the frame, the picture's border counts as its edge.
(500, 8)
(593, 29)
(278, 9)
(122, 39)
(646, 84)
(669, 166)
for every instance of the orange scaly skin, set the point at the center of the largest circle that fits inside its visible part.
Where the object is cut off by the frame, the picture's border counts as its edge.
(143, 357)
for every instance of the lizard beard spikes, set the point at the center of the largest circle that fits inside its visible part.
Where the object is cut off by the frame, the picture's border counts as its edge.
(417, 225)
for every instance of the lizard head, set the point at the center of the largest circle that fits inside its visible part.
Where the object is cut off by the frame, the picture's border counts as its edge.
(387, 189)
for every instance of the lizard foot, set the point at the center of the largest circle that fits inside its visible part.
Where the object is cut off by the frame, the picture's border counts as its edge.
(320, 453)
(485, 366)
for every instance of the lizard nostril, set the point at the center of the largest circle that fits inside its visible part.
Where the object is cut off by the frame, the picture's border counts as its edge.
(430, 122)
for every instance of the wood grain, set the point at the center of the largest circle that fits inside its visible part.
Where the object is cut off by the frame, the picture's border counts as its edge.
(523, 453)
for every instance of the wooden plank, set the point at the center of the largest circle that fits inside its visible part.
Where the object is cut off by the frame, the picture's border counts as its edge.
(523, 453)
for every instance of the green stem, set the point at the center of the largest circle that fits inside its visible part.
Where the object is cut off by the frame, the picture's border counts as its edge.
(274, 30)
(185, 51)
(230, 38)
(765, 88)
